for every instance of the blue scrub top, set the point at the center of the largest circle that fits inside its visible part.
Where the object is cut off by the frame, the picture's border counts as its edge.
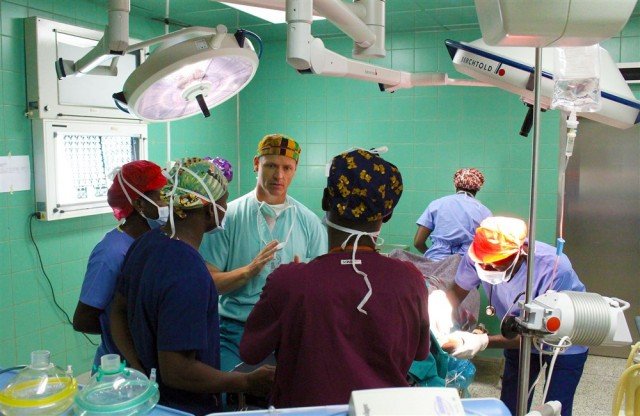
(99, 283)
(453, 220)
(247, 232)
(503, 294)
(172, 305)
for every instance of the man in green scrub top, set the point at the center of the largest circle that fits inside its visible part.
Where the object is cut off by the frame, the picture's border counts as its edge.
(262, 229)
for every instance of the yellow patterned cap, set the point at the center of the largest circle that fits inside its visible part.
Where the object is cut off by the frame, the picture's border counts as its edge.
(279, 144)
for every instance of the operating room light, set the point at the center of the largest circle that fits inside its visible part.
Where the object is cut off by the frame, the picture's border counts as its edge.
(175, 83)
(193, 69)
(190, 77)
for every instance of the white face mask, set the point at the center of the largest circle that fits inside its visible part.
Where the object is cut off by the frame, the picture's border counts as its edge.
(494, 277)
(357, 234)
(265, 210)
(163, 212)
(163, 217)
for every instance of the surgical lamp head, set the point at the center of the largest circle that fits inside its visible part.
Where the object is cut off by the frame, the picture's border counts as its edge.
(181, 78)
(189, 77)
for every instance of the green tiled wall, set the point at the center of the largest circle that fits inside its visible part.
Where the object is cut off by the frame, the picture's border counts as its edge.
(430, 132)
(28, 318)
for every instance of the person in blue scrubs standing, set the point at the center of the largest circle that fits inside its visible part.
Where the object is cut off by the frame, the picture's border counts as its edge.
(497, 259)
(134, 197)
(263, 229)
(452, 220)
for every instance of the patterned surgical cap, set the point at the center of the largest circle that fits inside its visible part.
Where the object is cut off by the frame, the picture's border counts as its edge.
(188, 192)
(279, 144)
(470, 179)
(362, 186)
(497, 238)
(224, 165)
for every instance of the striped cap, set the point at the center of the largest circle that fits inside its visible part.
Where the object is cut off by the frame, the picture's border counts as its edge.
(279, 144)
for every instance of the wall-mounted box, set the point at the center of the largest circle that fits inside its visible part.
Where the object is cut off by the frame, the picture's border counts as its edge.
(79, 96)
(73, 161)
(79, 135)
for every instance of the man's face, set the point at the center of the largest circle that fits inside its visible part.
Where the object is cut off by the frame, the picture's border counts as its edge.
(275, 174)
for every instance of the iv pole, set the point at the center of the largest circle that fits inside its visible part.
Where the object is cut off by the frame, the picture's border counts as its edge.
(526, 338)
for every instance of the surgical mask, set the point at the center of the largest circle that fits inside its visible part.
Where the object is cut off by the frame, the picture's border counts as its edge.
(163, 212)
(209, 198)
(494, 277)
(266, 210)
(161, 221)
(374, 236)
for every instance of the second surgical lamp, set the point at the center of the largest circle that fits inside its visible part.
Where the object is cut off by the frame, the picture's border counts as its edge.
(193, 70)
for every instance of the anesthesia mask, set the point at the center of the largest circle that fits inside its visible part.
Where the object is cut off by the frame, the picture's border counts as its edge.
(494, 277)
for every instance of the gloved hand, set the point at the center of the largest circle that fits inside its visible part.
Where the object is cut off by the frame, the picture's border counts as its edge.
(468, 344)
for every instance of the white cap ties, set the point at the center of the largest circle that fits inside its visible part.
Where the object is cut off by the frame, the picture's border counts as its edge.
(175, 187)
(358, 234)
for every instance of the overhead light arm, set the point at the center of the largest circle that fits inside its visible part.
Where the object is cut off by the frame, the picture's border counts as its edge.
(115, 43)
(346, 16)
(308, 54)
(177, 36)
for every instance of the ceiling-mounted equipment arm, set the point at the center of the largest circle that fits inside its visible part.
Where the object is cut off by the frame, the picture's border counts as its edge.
(113, 44)
(308, 54)
(346, 16)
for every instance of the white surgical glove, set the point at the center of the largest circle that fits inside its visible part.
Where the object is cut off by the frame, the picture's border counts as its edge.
(468, 344)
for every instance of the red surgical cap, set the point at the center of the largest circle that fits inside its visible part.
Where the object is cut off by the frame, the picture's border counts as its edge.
(145, 176)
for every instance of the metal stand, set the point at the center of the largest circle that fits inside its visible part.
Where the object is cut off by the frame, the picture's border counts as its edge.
(525, 339)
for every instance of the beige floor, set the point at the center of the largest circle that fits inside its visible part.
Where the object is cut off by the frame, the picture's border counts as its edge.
(594, 395)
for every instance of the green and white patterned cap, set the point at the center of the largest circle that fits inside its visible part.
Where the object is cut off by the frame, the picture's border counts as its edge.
(193, 182)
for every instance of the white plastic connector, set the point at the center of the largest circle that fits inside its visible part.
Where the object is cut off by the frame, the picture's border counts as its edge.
(572, 121)
(572, 125)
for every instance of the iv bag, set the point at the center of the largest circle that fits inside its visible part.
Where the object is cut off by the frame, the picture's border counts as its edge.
(576, 76)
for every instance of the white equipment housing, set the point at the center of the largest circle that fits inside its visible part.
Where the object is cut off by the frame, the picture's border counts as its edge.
(586, 318)
(79, 135)
(46, 42)
(551, 22)
(512, 68)
(406, 401)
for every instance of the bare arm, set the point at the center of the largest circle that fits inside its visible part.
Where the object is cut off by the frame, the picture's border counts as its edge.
(420, 239)
(181, 370)
(499, 341)
(120, 331)
(228, 281)
(456, 295)
(87, 319)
